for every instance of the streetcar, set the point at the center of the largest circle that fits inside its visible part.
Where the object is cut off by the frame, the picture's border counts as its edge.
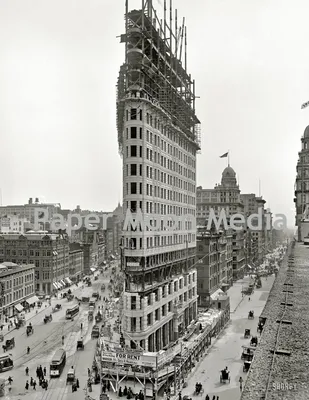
(71, 312)
(58, 363)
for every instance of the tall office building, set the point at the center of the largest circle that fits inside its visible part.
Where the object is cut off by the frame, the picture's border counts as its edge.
(159, 136)
(302, 187)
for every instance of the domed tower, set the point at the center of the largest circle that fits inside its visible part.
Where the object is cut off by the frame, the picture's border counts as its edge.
(301, 198)
(228, 179)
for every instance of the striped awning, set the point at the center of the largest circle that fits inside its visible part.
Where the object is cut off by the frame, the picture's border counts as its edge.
(55, 285)
(32, 300)
(62, 282)
(19, 307)
(68, 280)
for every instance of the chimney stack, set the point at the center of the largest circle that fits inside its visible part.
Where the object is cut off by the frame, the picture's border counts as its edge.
(30, 200)
(36, 200)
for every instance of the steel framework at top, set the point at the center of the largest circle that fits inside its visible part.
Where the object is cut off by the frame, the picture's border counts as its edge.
(153, 69)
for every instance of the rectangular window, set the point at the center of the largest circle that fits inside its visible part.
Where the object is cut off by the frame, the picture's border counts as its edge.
(141, 115)
(141, 133)
(133, 151)
(133, 132)
(133, 206)
(133, 114)
(141, 170)
(141, 151)
(133, 188)
(140, 188)
(133, 170)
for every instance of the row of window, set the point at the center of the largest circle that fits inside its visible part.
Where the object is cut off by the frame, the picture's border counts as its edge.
(134, 114)
(137, 151)
(158, 192)
(161, 312)
(173, 151)
(32, 253)
(157, 208)
(157, 241)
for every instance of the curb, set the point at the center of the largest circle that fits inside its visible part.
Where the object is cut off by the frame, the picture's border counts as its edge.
(241, 300)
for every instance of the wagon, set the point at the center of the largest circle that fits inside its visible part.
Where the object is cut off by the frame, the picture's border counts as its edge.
(29, 330)
(251, 315)
(247, 333)
(247, 365)
(225, 376)
(80, 345)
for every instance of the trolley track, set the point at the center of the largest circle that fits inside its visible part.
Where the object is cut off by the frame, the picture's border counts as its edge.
(71, 360)
(49, 342)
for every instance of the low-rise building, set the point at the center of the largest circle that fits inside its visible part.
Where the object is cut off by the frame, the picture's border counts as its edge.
(214, 264)
(17, 287)
(14, 224)
(48, 252)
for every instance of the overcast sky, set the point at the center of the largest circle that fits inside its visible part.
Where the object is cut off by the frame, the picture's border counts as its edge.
(59, 62)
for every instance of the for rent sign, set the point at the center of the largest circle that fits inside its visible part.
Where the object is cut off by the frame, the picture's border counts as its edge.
(130, 358)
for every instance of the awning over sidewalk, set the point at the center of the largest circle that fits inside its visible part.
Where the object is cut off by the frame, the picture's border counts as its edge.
(59, 285)
(19, 307)
(217, 294)
(68, 280)
(62, 282)
(32, 300)
(55, 285)
(92, 269)
(249, 266)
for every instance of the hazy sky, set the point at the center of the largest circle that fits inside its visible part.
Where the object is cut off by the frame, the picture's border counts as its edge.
(59, 62)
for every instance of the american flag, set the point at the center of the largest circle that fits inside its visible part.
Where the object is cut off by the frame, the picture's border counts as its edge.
(304, 105)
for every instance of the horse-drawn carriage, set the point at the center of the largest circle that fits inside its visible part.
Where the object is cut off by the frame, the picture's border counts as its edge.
(198, 389)
(57, 308)
(29, 330)
(9, 344)
(260, 327)
(254, 341)
(47, 318)
(70, 376)
(247, 353)
(102, 287)
(95, 333)
(90, 315)
(251, 315)
(80, 345)
(247, 365)
(98, 317)
(225, 376)
(247, 333)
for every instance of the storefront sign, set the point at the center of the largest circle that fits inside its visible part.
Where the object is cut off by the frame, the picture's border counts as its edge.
(129, 358)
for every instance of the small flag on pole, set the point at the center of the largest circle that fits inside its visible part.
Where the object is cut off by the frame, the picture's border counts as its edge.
(305, 105)
(224, 155)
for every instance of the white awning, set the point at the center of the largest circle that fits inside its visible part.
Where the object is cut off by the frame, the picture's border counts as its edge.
(249, 266)
(92, 269)
(217, 294)
(63, 283)
(32, 300)
(68, 280)
(59, 285)
(19, 307)
(55, 285)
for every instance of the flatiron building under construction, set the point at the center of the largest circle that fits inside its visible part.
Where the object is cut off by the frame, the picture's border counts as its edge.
(159, 137)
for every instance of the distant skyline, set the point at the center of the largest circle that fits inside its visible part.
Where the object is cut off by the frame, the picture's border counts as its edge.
(58, 71)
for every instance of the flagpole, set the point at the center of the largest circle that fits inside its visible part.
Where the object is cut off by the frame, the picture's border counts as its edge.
(228, 158)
